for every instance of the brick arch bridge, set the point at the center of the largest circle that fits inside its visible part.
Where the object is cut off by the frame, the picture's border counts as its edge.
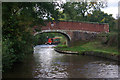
(74, 31)
(56, 31)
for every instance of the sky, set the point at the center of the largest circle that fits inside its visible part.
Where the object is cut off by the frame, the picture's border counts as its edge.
(112, 7)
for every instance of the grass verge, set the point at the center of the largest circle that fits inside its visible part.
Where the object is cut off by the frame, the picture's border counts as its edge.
(90, 46)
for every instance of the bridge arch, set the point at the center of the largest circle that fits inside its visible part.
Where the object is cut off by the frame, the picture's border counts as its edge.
(55, 31)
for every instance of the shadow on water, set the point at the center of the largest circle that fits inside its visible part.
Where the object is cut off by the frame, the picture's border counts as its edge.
(46, 63)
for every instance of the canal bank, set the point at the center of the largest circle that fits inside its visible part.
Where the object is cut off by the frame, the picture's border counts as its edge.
(91, 53)
(91, 48)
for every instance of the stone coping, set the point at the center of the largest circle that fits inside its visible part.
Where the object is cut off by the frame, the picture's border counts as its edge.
(66, 52)
(92, 53)
(76, 21)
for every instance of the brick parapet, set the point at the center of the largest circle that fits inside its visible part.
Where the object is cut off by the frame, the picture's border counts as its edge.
(85, 26)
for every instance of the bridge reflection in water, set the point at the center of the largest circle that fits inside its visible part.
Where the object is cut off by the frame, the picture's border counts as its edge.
(46, 63)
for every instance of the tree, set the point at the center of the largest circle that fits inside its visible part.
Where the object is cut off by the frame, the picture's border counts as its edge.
(89, 12)
(79, 10)
(18, 20)
(101, 17)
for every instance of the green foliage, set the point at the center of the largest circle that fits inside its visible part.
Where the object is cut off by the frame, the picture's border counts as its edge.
(18, 21)
(109, 39)
(101, 17)
(112, 40)
(61, 46)
(78, 10)
(8, 56)
(88, 12)
(91, 46)
(42, 38)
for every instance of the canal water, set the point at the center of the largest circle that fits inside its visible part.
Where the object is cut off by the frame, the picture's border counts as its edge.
(47, 63)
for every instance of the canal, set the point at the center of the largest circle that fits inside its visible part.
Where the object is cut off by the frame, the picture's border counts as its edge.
(47, 63)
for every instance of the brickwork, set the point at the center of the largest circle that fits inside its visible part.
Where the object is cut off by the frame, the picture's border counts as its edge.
(63, 25)
(75, 31)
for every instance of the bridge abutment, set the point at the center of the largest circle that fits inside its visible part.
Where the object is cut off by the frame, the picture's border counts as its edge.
(78, 35)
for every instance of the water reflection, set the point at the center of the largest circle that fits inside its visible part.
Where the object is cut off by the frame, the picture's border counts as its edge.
(51, 64)
(47, 66)
(102, 69)
(47, 63)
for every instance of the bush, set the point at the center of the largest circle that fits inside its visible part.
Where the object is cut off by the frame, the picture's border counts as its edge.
(16, 48)
(8, 56)
(110, 39)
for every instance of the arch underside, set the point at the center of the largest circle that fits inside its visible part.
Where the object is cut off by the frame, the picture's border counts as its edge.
(55, 31)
